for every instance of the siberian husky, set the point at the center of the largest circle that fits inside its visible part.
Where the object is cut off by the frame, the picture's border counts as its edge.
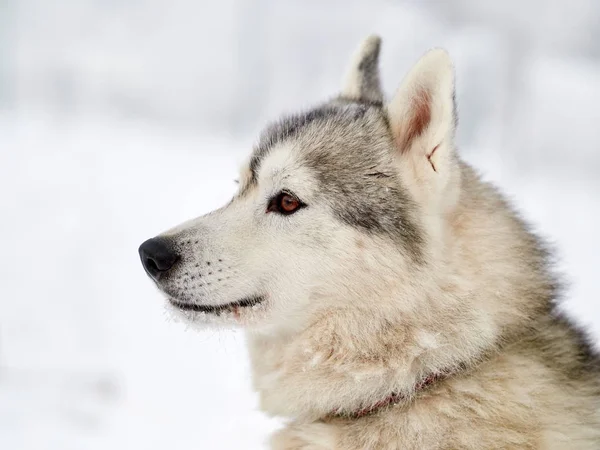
(392, 299)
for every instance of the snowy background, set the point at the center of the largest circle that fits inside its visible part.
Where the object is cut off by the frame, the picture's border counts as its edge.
(119, 119)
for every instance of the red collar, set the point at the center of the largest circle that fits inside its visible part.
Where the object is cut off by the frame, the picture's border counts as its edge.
(392, 399)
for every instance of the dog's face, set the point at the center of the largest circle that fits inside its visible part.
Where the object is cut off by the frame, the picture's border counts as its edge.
(323, 218)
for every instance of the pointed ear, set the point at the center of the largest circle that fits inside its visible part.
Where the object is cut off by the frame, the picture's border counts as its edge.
(422, 112)
(361, 82)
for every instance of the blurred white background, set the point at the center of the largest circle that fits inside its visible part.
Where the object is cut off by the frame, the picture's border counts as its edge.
(119, 119)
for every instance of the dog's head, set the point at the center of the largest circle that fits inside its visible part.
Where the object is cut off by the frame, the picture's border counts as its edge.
(335, 206)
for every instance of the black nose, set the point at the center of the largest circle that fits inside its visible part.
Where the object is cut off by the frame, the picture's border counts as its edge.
(157, 257)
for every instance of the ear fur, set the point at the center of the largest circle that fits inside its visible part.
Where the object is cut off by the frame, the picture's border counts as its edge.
(422, 112)
(361, 82)
(422, 119)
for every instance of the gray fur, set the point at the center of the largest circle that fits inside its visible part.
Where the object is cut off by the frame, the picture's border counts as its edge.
(349, 147)
(363, 81)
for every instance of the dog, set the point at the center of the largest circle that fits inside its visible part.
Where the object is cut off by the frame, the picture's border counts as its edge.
(392, 299)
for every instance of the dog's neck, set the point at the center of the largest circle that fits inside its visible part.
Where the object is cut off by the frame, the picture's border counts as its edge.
(468, 305)
(393, 399)
(331, 370)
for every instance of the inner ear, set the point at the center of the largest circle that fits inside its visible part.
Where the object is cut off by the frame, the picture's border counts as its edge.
(421, 114)
(419, 118)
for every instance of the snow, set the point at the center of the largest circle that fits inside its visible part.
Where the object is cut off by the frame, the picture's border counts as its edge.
(89, 357)
(119, 120)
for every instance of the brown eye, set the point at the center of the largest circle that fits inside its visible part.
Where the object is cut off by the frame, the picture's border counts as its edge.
(284, 203)
(288, 203)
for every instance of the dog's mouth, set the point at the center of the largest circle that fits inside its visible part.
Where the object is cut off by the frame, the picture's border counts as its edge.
(234, 307)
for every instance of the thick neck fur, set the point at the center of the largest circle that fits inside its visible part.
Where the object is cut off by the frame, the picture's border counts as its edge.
(447, 315)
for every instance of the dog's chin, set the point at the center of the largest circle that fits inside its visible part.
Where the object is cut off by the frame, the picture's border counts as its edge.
(246, 312)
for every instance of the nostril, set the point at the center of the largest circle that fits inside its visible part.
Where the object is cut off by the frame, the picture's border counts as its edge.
(151, 265)
(157, 256)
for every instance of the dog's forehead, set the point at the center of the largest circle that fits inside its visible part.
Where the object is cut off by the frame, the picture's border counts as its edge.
(346, 134)
(282, 164)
